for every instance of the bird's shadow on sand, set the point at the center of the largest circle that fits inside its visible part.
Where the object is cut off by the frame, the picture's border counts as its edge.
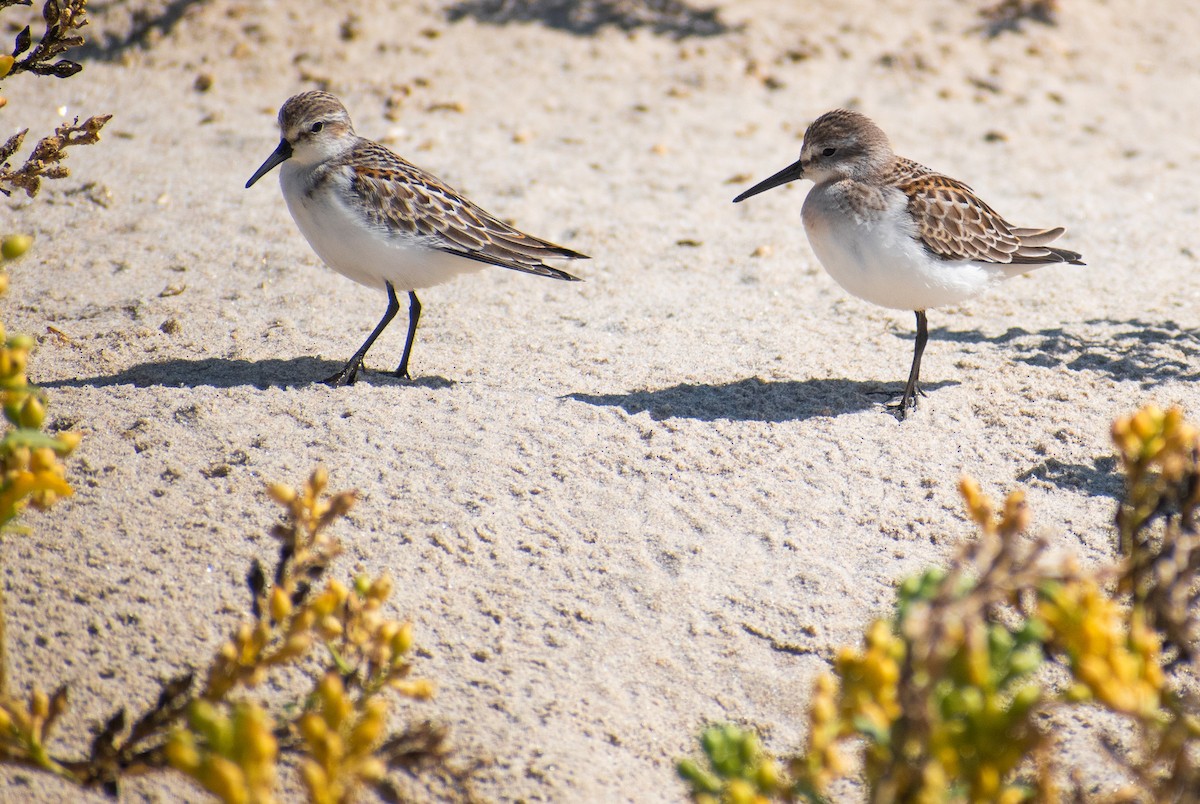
(672, 18)
(217, 372)
(1148, 353)
(1101, 479)
(753, 399)
(1145, 352)
(1134, 350)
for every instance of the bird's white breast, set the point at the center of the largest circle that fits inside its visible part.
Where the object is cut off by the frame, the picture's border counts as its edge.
(878, 257)
(352, 246)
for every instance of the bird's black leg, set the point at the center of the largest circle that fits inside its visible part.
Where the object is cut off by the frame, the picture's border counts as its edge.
(414, 315)
(913, 388)
(349, 372)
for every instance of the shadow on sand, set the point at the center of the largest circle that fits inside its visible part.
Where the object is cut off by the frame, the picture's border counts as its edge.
(216, 372)
(1101, 479)
(1145, 352)
(753, 399)
(144, 25)
(672, 18)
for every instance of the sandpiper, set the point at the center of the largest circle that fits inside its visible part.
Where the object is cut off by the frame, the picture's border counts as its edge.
(898, 234)
(383, 222)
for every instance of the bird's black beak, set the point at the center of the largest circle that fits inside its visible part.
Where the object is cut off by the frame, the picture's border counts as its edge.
(281, 154)
(789, 173)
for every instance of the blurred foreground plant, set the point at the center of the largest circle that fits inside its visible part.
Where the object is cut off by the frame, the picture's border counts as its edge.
(942, 696)
(739, 770)
(230, 744)
(29, 457)
(30, 473)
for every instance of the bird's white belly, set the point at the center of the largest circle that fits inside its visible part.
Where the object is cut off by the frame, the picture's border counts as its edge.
(349, 245)
(880, 259)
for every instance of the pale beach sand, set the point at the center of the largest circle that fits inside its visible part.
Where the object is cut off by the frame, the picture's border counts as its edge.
(618, 509)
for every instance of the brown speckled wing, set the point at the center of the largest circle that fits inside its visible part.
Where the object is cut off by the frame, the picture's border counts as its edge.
(397, 196)
(955, 224)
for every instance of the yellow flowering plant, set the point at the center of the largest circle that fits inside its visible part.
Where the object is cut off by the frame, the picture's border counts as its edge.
(942, 697)
(339, 731)
(215, 732)
(30, 468)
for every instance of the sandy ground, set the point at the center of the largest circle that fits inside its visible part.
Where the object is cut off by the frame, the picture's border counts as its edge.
(616, 509)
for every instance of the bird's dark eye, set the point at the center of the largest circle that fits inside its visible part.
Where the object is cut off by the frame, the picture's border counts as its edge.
(317, 127)
(829, 152)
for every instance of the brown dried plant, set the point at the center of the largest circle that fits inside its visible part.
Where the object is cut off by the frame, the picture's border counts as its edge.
(45, 161)
(63, 18)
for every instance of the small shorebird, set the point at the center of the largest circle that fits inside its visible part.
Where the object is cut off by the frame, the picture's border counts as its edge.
(383, 222)
(898, 234)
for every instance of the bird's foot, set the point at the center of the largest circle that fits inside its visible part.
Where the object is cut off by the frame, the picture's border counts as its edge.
(907, 401)
(901, 407)
(347, 376)
(401, 372)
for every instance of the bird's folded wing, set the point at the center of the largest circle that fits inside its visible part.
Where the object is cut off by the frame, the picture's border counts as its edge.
(402, 199)
(954, 224)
